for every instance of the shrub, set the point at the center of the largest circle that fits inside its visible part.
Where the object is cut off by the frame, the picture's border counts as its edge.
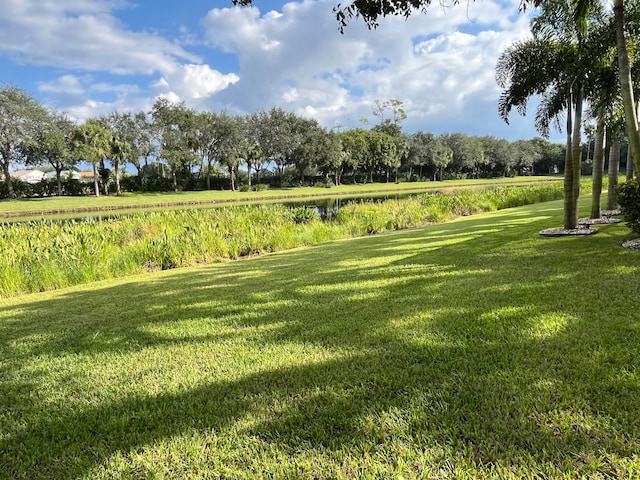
(303, 214)
(628, 194)
(324, 183)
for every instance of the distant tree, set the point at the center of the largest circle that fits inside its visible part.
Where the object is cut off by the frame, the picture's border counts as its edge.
(257, 141)
(278, 133)
(525, 154)
(176, 135)
(127, 142)
(316, 149)
(440, 157)
(207, 142)
(389, 125)
(381, 154)
(20, 117)
(418, 152)
(498, 156)
(356, 148)
(427, 150)
(467, 152)
(231, 150)
(328, 153)
(52, 144)
(122, 150)
(92, 143)
(144, 146)
(546, 157)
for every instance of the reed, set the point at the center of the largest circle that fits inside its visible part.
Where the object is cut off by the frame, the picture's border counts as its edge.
(45, 255)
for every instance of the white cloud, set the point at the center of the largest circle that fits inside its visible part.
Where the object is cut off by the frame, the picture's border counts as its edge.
(68, 84)
(297, 59)
(441, 64)
(120, 89)
(86, 35)
(196, 81)
(82, 35)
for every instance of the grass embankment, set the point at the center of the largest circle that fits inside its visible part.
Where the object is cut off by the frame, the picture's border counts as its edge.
(43, 256)
(472, 349)
(53, 205)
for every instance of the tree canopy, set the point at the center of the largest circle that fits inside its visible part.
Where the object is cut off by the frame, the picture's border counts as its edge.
(370, 11)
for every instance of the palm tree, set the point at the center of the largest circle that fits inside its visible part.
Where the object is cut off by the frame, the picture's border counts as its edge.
(598, 168)
(121, 150)
(551, 68)
(626, 84)
(92, 144)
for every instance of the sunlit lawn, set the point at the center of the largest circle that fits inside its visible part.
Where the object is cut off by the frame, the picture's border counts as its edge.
(128, 200)
(473, 349)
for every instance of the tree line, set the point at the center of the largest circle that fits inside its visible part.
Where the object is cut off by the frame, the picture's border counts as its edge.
(173, 147)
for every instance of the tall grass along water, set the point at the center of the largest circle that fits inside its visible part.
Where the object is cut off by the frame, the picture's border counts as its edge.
(49, 255)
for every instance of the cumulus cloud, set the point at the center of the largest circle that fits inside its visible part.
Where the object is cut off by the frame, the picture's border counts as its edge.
(68, 84)
(82, 35)
(88, 36)
(297, 59)
(441, 64)
(195, 81)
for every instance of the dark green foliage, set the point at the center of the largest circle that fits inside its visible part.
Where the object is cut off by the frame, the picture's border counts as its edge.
(303, 214)
(628, 194)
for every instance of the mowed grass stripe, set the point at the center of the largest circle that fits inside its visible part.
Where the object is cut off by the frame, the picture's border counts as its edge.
(471, 349)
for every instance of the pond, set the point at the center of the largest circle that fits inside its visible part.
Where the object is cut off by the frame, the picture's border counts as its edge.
(325, 207)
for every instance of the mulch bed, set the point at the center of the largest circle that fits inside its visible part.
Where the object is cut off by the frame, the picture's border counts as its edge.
(563, 232)
(598, 221)
(632, 244)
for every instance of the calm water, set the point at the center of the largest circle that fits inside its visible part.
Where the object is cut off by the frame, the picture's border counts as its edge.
(326, 208)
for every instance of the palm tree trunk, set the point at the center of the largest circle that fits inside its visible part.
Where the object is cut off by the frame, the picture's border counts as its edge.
(116, 168)
(626, 83)
(7, 180)
(59, 181)
(598, 168)
(570, 218)
(614, 170)
(576, 147)
(231, 177)
(630, 169)
(96, 184)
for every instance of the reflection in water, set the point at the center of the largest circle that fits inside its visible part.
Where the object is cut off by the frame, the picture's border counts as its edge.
(326, 208)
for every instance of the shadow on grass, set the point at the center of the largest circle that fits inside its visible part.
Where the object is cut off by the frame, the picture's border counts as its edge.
(474, 344)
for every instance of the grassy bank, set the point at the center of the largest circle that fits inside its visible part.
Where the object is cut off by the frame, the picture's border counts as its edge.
(52, 205)
(45, 256)
(471, 349)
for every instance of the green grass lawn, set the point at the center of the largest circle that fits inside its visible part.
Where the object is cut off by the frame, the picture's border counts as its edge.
(472, 349)
(36, 206)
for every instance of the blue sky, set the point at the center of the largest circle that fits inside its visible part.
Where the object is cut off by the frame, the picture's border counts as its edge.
(90, 57)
